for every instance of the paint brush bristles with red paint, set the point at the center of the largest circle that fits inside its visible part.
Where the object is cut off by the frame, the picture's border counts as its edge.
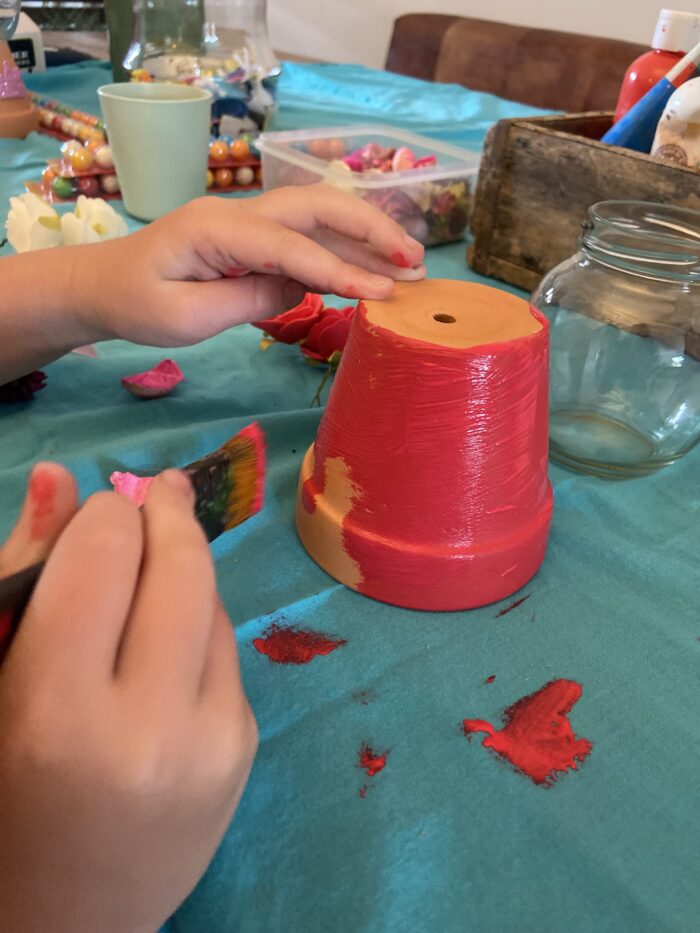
(228, 486)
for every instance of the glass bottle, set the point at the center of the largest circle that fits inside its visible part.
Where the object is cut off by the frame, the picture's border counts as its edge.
(624, 313)
(220, 45)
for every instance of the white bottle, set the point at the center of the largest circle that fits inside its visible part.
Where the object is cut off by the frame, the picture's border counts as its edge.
(678, 133)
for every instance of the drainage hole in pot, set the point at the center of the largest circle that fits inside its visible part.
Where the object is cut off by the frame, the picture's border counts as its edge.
(444, 318)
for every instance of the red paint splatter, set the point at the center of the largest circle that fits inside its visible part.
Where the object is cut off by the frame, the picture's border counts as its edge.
(235, 272)
(370, 761)
(490, 679)
(292, 646)
(537, 737)
(400, 260)
(42, 495)
(518, 602)
(363, 791)
(308, 495)
(269, 265)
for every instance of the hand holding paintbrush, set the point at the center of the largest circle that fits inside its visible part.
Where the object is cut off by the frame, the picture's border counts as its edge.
(125, 735)
(228, 488)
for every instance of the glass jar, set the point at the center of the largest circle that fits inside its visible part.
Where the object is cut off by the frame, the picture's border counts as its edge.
(624, 314)
(219, 45)
(9, 17)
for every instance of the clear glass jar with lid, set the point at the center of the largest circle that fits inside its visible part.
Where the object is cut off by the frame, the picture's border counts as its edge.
(219, 45)
(624, 316)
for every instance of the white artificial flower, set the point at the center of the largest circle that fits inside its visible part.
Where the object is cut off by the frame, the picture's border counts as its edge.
(32, 224)
(92, 220)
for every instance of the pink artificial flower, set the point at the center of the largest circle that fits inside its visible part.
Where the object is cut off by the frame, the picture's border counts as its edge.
(156, 382)
(443, 203)
(294, 325)
(330, 334)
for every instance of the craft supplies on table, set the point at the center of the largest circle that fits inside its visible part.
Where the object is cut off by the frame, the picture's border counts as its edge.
(538, 178)
(676, 33)
(677, 136)
(431, 200)
(224, 50)
(624, 315)
(426, 486)
(637, 127)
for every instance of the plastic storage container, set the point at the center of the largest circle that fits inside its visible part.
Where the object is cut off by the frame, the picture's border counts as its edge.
(432, 204)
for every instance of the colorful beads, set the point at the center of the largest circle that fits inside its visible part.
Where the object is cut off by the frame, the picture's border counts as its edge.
(81, 159)
(62, 187)
(223, 178)
(218, 151)
(89, 186)
(240, 150)
(245, 176)
(103, 157)
(110, 184)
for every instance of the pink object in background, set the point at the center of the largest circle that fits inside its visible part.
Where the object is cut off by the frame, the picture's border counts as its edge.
(156, 382)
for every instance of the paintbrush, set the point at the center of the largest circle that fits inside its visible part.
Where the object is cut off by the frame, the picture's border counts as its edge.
(228, 487)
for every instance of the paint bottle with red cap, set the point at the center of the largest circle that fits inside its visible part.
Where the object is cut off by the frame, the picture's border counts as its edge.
(676, 33)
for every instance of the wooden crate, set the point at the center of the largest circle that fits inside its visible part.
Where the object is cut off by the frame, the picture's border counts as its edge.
(539, 177)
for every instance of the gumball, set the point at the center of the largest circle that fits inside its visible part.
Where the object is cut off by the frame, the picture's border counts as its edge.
(48, 175)
(103, 157)
(62, 187)
(218, 151)
(223, 178)
(110, 184)
(69, 147)
(84, 132)
(94, 144)
(57, 123)
(240, 150)
(245, 175)
(210, 179)
(258, 174)
(81, 159)
(66, 126)
(45, 116)
(89, 186)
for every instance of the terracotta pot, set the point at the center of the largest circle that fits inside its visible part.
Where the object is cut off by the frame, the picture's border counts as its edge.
(427, 485)
(18, 117)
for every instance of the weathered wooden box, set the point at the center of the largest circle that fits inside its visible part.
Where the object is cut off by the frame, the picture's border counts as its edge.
(537, 180)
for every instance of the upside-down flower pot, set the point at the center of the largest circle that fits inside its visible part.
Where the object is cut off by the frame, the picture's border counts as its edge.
(427, 484)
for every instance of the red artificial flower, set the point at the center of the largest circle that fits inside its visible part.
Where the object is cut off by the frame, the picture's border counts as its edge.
(294, 325)
(329, 334)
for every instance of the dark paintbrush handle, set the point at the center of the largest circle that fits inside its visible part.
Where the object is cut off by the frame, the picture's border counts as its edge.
(15, 593)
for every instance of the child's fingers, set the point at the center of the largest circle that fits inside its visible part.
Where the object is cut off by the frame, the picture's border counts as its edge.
(275, 248)
(366, 256)
(310, 207)
(50, 503)
(75, 619)
(221, 677)
(166, 641)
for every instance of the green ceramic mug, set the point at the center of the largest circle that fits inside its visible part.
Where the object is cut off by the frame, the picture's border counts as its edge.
(159, 134)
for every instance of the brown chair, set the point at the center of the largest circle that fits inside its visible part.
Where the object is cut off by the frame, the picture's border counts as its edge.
(541, 67)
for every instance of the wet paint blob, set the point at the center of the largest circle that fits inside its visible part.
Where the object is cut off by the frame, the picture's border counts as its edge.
(537, 738)
(370, 761)
(292, 646)
(490, 679)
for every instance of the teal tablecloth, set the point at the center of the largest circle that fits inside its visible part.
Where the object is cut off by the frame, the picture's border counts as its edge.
(447, 837)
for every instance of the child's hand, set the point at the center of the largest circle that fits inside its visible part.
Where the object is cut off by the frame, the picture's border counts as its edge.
(218, 262)
(125, 735)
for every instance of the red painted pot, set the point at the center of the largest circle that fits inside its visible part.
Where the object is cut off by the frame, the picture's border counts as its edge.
(427, 484)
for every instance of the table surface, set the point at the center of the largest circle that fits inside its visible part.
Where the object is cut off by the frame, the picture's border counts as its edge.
(447, 837)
